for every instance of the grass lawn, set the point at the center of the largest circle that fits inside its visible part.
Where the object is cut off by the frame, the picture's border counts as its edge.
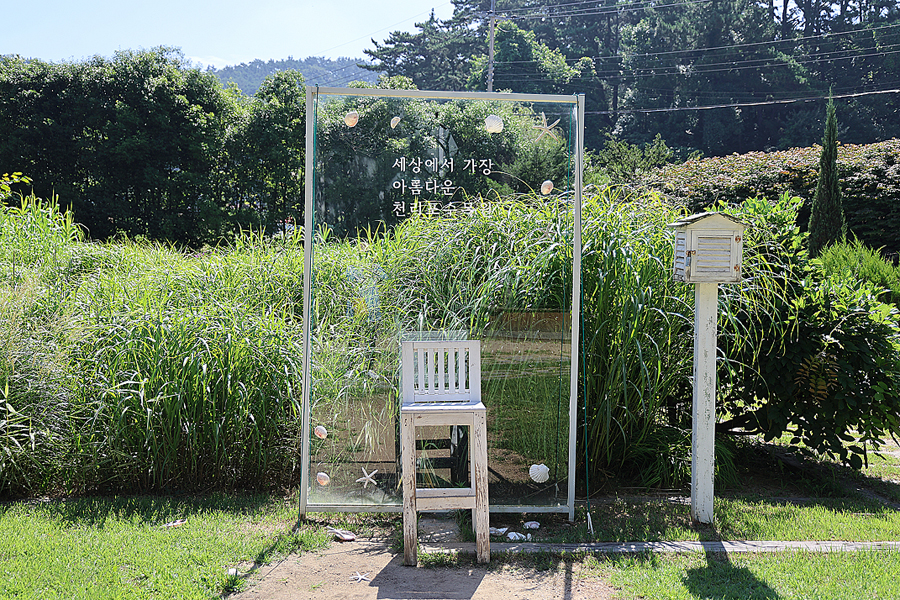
(110, 548)
(121, 548)
(782, 576)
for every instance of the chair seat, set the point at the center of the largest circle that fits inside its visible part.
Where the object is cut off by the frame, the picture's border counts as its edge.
(438, 414)
(471, 405)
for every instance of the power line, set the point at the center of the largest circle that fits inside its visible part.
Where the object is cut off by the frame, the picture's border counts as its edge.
(697, 69)
(740, 104)
(610, 10)
(711, 48)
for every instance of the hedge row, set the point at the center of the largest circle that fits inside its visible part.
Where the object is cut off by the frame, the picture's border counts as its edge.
(870, 184)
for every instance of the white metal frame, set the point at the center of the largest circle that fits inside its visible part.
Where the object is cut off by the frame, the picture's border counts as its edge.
(312, 96)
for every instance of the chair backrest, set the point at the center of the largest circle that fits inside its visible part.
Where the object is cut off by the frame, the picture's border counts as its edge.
(441, 371)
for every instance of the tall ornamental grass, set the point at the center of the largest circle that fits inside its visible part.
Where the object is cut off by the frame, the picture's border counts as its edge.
(134, 366)
(137, 367)
(637, 340)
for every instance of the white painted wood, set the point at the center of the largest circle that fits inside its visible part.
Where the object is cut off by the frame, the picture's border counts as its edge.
(442, 386)
(480, 517)
(445, 504)
(708, 248)
(408, 462)
(679, 267)
(704, 402)
(444, 493)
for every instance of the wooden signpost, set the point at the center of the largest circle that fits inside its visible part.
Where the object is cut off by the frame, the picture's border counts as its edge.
(708, 249)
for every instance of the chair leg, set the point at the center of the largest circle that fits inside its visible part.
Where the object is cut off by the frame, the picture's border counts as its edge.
(480, 515)
(408, 458)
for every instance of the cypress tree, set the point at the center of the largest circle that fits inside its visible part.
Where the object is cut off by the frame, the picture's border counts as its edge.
(826, 221)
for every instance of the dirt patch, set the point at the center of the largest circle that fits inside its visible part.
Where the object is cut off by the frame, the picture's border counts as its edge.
(332, 573)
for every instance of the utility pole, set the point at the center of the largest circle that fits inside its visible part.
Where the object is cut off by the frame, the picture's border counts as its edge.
(490, 74)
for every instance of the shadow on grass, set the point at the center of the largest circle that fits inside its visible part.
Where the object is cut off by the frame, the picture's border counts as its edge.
(720, 579)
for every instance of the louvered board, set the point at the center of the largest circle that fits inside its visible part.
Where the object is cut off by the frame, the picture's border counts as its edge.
(715, 256)
(708, 249)
(680, 256)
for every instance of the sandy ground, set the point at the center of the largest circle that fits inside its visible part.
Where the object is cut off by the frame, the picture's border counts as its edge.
(331, 573)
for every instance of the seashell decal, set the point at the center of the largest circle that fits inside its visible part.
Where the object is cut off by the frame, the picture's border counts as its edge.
(351, 118)
(321, 432)
(493, 124)
(394, 122)
(323, 478)
(539, 473)
(546, 187)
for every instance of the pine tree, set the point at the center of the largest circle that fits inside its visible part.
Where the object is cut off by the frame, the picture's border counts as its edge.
(826, 222)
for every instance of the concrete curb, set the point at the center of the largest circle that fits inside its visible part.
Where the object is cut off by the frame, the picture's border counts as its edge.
(640, 547)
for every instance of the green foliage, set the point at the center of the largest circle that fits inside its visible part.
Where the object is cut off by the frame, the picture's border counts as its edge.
(855, 261)
(814, 356)
(137, 367)
(267, 148)
(522, 63)
(826, 219)
(6, 180)
(870, 185)
(625, 163)
(133, 366)
(132, 144)
(434, 58)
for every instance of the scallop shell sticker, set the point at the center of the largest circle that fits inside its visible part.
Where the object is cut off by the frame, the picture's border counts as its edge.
(321, 432)
(539, 473)
(394, 122)
(323, 478)
(546, 187)
(351, 118)
(493, 124)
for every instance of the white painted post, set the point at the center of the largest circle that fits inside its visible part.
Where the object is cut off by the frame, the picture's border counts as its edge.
(703, 436)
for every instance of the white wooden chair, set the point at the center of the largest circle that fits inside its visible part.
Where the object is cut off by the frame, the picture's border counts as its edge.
(442, 386)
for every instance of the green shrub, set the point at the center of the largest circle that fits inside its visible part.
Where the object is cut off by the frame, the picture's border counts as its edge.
(6, 180)
(869, 176)
(35, 381)
(818, 357)
(854, 260)
(137, 367)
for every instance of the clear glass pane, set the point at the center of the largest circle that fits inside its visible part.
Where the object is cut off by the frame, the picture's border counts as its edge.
(441, 219)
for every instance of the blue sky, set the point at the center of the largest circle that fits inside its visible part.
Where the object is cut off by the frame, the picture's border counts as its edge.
(225, 32)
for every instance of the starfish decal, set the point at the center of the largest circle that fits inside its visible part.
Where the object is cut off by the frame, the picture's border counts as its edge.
(366, 479)
(546, 129)
(360, 578)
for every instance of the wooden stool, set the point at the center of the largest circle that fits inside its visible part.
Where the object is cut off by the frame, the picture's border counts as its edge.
(442, 386)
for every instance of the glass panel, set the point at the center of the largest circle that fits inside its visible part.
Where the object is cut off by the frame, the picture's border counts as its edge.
(441, 219)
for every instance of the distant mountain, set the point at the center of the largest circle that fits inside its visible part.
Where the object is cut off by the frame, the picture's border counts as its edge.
(315, 69)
